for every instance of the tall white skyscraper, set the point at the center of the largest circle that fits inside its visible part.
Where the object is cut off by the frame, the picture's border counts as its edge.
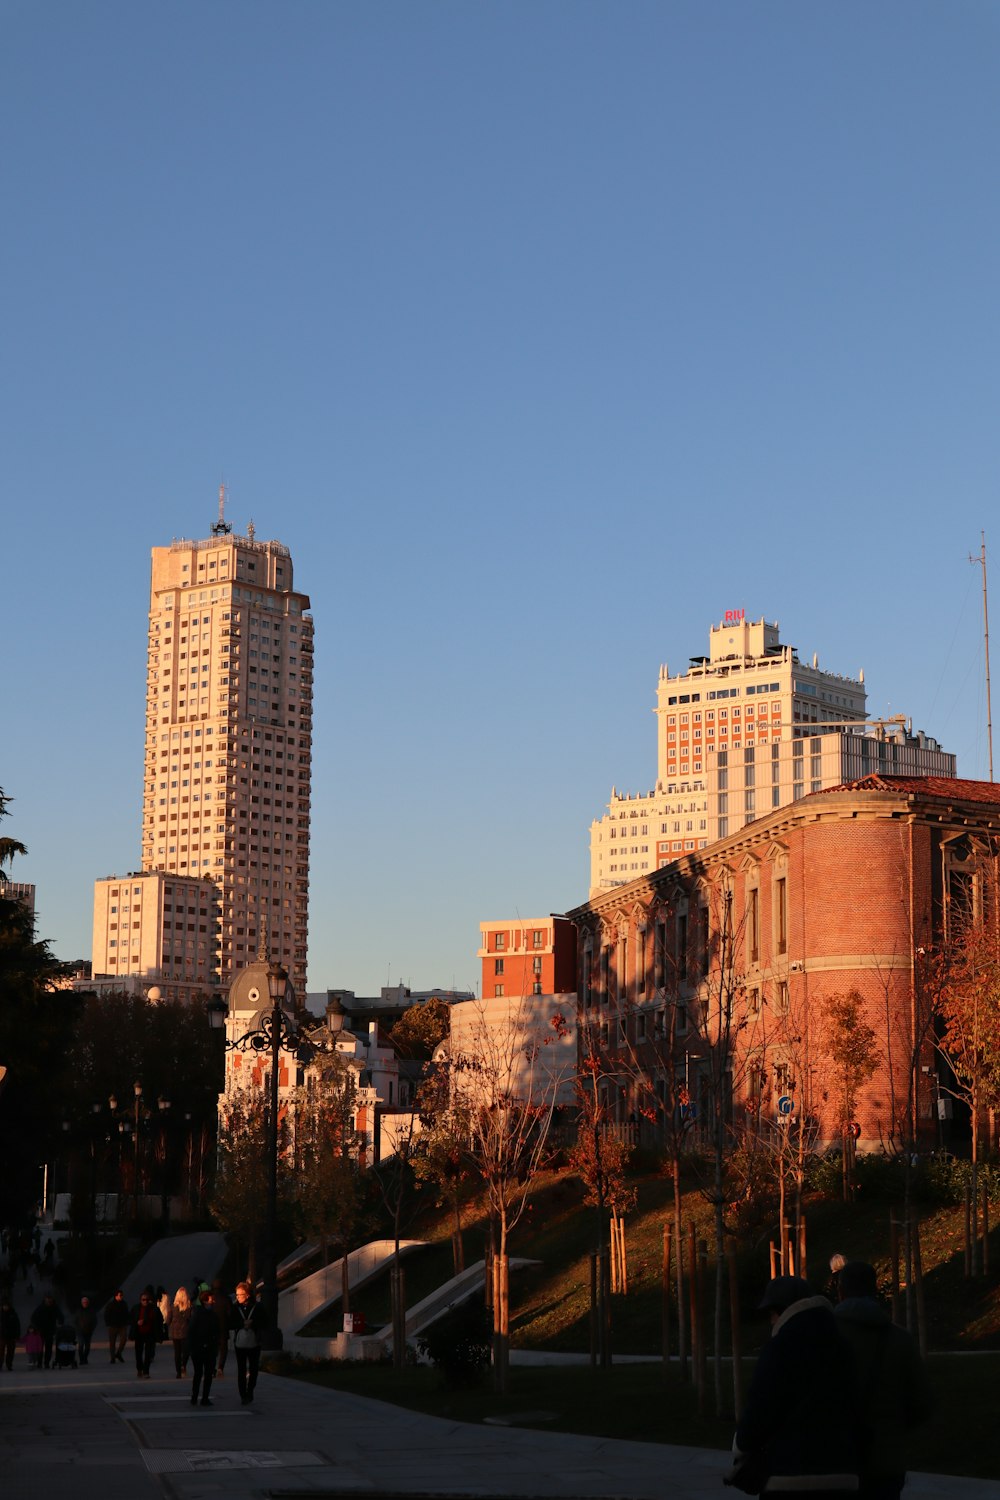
(228, 770)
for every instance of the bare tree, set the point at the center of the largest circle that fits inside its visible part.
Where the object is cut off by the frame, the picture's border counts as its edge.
(505, 1086)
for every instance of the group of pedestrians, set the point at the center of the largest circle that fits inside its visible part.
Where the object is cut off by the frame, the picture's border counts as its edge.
(836, 1389)
(200, 1322)
(50, 1337)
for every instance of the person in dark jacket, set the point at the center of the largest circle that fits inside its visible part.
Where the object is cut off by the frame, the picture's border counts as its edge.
(147, 1332)
(799, 1423)
(203, 1344)
(46, 1318)
(222, 1307)
(892, 1386)
(10, 1332)
(116, 1319)
(247, 1321)
(84, 1321)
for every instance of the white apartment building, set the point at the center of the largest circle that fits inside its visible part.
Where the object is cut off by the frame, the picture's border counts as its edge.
(228, 758)
(155, 933)
(745, 729)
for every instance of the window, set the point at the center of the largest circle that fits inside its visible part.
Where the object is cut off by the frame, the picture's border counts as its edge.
(498, 966)
(498, 990)
(499, 941)
(781, 914)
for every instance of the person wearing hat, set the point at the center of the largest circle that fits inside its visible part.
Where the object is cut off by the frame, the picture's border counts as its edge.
(203, 1340)
(892, 1384)
(799, 1427)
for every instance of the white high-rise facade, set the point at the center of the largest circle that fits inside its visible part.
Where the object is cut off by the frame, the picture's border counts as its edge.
(745, 729)
(228, 768)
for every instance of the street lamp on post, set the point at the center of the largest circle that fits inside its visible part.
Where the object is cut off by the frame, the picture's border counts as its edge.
(274, 1032)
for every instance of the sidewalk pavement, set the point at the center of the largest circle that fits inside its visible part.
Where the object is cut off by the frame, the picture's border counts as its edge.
(107, 1436)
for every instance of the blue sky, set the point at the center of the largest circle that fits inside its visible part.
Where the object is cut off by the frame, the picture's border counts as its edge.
(542, 333)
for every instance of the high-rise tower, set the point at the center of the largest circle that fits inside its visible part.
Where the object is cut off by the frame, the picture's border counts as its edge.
(227, 781)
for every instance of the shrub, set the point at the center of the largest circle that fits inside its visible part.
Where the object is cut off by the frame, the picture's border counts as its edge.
(943, 1179)
(459, 1343)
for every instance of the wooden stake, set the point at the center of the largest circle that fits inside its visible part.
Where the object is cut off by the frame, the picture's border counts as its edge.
(894, 1267)
(918, 1280)
(774, 1261)
(694, 1320)
(802, 1248)
(665, 1285)
(593, 1311)
(734, 1328)
(968, 1231)
(986, 1232)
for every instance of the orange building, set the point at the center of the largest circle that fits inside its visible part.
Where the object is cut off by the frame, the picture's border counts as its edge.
(528, 956)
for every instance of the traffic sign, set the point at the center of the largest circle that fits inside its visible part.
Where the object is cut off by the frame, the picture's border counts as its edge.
(785, 1105)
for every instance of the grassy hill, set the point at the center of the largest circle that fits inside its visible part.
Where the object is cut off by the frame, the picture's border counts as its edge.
(550, 1301)
(649, 1401)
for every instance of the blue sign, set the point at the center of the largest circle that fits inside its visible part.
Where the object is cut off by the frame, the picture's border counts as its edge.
(785, 1105)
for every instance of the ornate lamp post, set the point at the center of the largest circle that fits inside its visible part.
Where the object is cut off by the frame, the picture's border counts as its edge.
(275, 1031)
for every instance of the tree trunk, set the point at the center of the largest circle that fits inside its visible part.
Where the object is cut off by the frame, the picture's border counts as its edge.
(501, 1323)
(679, 1242)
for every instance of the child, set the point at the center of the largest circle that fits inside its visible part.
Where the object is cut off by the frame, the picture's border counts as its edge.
(34, 1346)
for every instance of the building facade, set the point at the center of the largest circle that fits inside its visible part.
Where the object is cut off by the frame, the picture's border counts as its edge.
(746, 729)
(228, 751)
(155, 932)
(527, 956)
(21, 891)
(840, 893)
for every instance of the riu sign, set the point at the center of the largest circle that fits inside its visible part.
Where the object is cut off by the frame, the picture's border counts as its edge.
(734, 616)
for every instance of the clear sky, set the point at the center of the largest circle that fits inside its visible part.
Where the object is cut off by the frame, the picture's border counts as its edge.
(542, 333)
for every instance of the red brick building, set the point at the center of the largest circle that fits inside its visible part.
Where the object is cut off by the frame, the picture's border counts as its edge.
(842, 893)
(527, 956)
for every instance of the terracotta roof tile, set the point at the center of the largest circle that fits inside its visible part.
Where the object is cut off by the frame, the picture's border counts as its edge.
(943, 788)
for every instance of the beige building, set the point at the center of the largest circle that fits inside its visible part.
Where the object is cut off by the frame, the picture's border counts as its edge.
(746, 729)
(228, 765)
(155, 933)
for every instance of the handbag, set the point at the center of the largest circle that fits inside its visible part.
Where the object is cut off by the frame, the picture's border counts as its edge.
(246, 1337)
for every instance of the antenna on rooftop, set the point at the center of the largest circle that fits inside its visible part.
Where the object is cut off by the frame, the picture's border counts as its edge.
(981, 559)
(221, 527)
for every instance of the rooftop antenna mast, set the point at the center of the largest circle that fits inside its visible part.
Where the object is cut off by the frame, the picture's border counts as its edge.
(221, 527)
(981, 559)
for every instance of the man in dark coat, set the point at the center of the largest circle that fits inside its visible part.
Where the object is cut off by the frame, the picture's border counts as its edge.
(10, 1332)
(892, 1386)
(85, 1322)
(800, 1419)
(203, 1344)
(117, 1319)
(46, 1318)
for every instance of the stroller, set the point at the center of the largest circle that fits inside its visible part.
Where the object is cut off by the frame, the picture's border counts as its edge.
(65, 1347)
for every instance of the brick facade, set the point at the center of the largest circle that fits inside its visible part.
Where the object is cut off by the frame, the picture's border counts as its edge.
(840, 893)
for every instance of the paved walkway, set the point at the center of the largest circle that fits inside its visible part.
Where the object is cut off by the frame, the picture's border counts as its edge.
(100, 1434)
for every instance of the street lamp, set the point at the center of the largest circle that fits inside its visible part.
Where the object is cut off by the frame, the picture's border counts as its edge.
(275, 1031)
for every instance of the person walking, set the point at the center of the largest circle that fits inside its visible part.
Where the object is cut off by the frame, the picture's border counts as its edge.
(10, 1332)
(892, 1384)
(179, 1328)
(147, 1331)
(84, 1321)
(46, 1318)
(223, 1308)
(203, 1338)
(117, 1318)
(798, 1431)
(247, 1321)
